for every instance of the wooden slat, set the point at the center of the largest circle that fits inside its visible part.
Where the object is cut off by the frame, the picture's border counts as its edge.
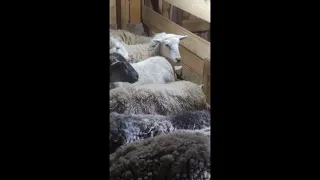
(166, 9)
(135, 11)
(193, 43)
(206, 79)
(176, 15)
(124, 14)
(113, 12)
(199, 8)
(189, 75)
(196, 25)
(160, 6)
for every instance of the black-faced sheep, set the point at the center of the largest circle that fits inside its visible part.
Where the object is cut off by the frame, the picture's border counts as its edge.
(163, 99)
(179, 155)
(128, 37)
(155, 70)
(163, 44)
(129, 128)
(121, 70)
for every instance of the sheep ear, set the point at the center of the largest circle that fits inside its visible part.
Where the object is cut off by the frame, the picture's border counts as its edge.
(156, 40)
(201, 85)
(115, 63)
(181, 37)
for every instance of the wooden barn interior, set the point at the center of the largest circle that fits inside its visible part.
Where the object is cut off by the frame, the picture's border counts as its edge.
(192, 18)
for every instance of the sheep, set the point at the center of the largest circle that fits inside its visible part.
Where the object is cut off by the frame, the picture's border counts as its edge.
(117, 47)
(163, 44)
(129, 128)
(129, 38)
(162, 99)
(121, 70)
(183, 154)
(154, 70)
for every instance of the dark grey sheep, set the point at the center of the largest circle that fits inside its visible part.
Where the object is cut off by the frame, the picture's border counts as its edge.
(179, 155)
(129, 128)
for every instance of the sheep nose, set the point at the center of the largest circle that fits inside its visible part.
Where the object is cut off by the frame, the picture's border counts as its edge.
(178, 60)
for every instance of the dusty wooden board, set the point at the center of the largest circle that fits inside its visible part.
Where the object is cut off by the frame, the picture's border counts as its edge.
(193, 43)
(206, 80)
(135, 11)
(189, 75)
(166, 9)
(196, 25)
(187, 58)
(199, 8)
(113, 12)
(124, 14)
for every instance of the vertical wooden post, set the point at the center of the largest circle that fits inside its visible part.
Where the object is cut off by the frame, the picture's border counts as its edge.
(118, 10)
(206, 79)
(166, 9)
(124, 14)
(135, 12)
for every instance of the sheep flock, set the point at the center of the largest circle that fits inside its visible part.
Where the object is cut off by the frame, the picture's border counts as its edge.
(159, 126)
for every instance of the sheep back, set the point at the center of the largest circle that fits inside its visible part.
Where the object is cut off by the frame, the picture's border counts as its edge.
(154, 70)
(163, 99)
(177, 155)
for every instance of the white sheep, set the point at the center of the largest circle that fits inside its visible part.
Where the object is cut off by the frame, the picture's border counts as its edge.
(164, 99)
(116, 47)
(129, 38)
(162, 44)
(183, 154)
(154, 70)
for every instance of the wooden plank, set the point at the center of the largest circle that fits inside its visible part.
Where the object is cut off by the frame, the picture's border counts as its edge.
(199, 8)
(113, 12)
(124, 14)
(189, 75)
(166, 9)
(135, 11)
(176, 15)
(193, 43)
(196, 25)
(187, 57)
(160, 6)
(206, 80)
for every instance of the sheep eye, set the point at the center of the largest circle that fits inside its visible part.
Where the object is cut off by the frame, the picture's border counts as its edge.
(168, 46)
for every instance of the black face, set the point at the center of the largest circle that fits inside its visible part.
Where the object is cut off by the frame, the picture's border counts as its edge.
(121, 70)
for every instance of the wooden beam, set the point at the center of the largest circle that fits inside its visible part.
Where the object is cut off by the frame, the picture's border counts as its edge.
(193, 43)
(196, 25)
(135, 11)
(113, 12)
(166, 9)
(176, 15)
(206, 80)
(199, 8)
(124, 14)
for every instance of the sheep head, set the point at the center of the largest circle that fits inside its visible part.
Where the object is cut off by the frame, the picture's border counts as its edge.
(169, 45)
